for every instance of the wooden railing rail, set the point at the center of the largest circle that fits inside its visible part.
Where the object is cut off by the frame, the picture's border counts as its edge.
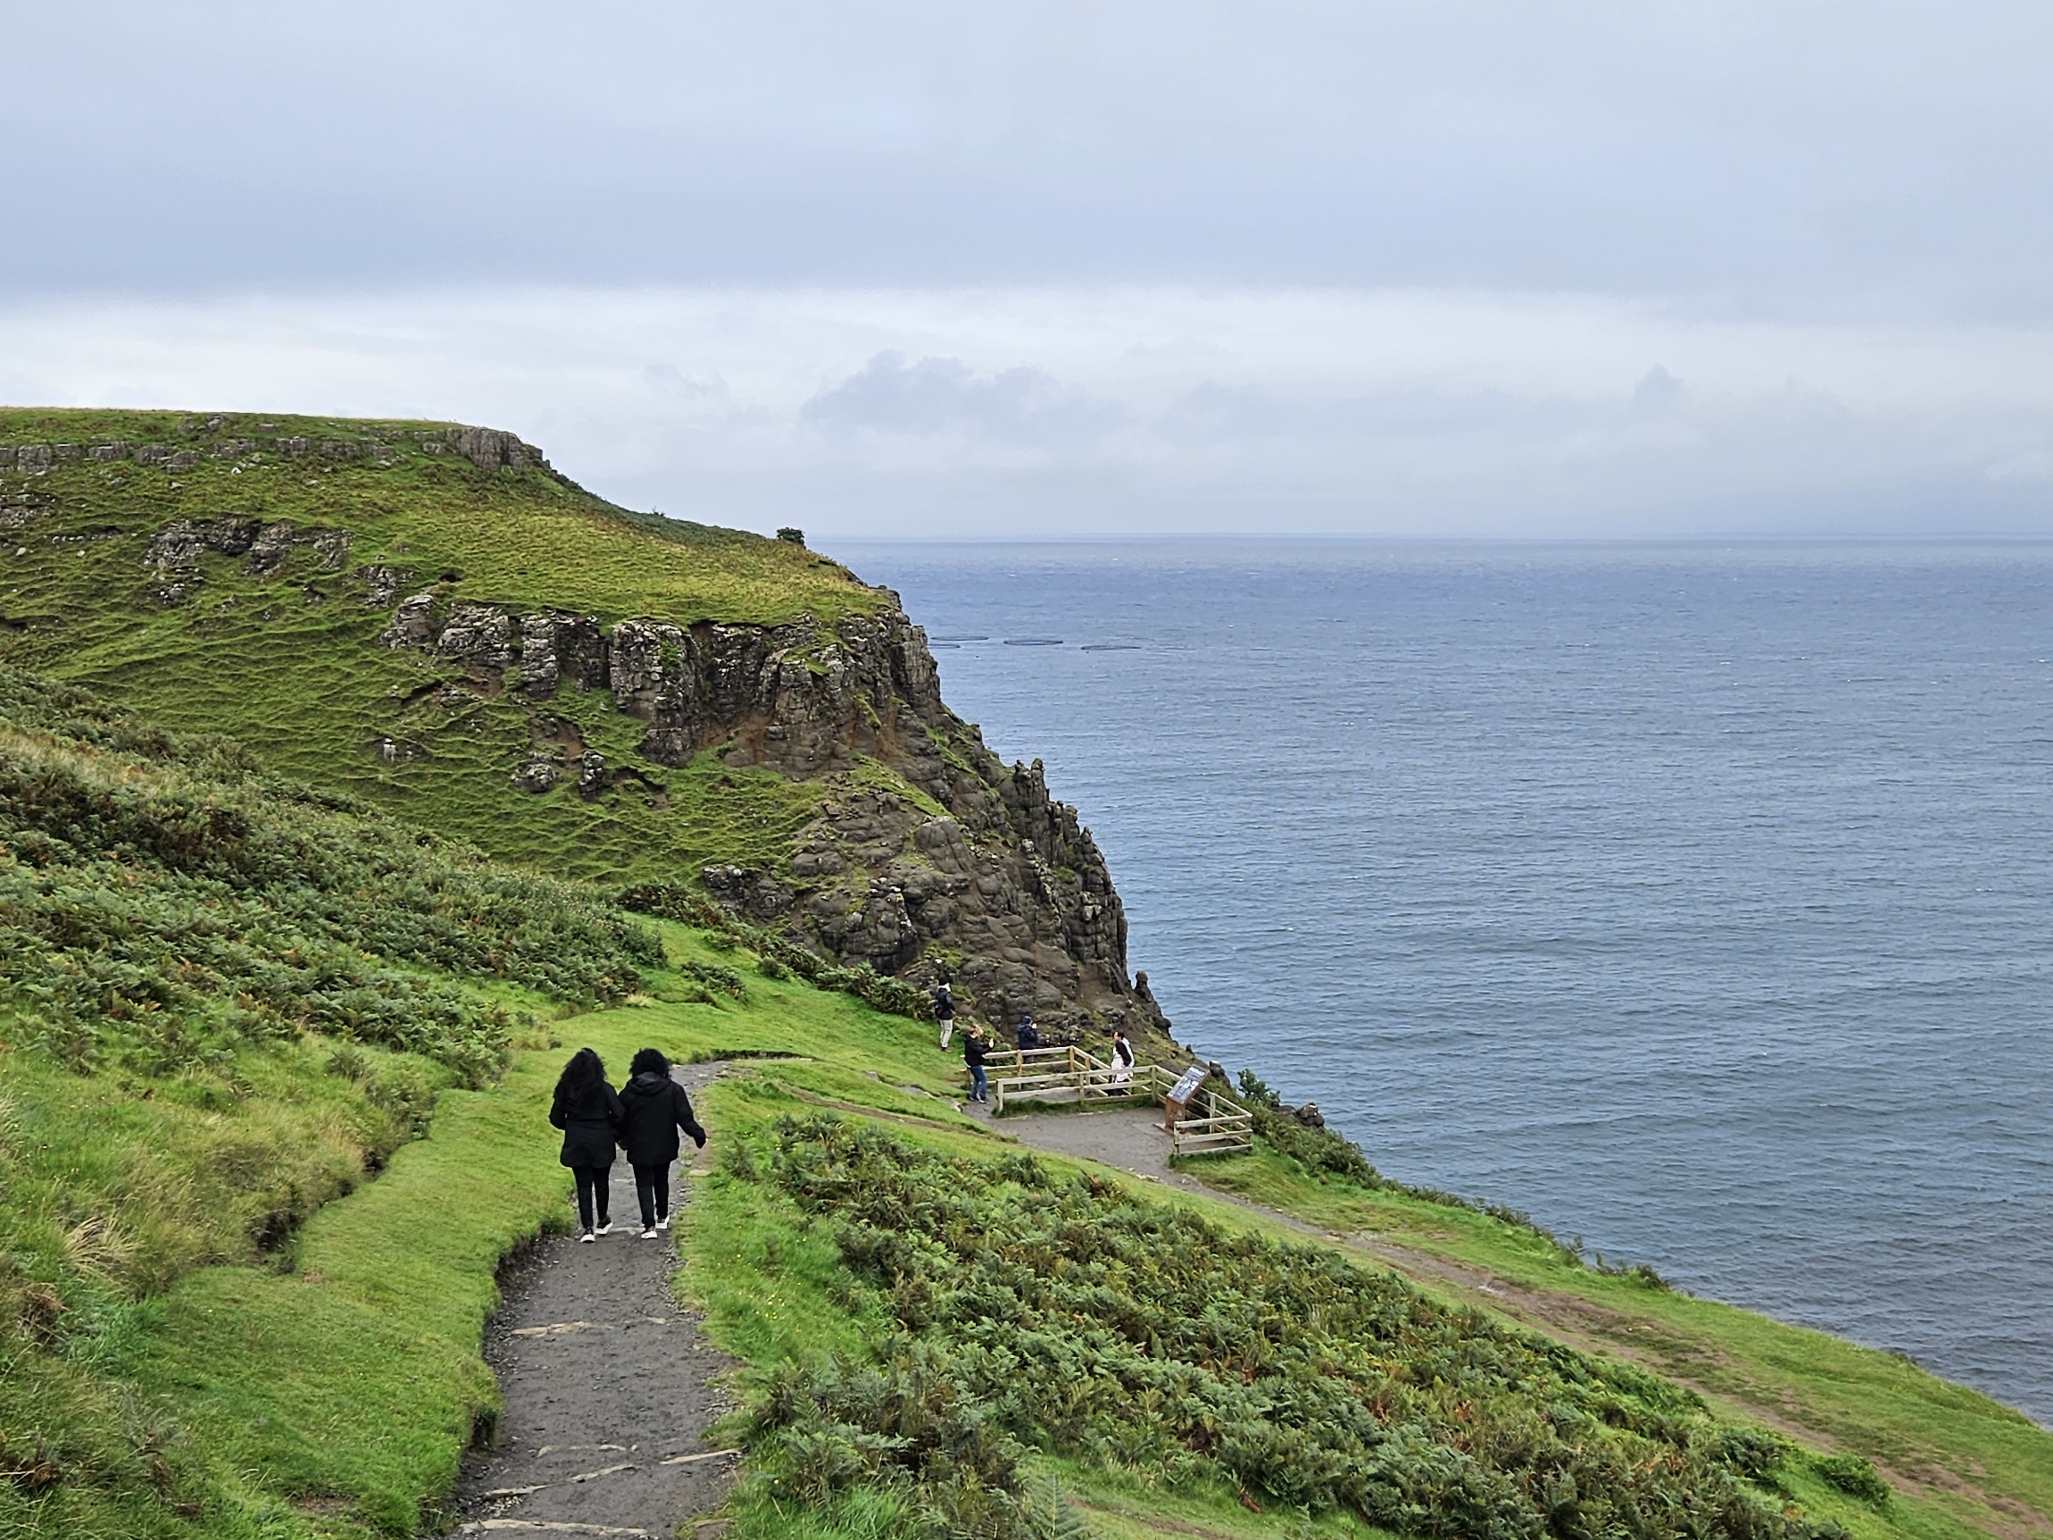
(1213, 1124)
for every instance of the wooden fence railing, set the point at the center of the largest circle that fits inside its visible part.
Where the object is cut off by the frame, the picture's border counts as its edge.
(1211, 1124)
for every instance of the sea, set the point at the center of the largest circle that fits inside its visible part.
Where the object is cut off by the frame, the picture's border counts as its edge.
(1695, 898)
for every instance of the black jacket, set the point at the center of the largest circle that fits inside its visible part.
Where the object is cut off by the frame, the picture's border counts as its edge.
(944, 1004)
(590, 1122)
(973, 1051)
(653, 1108)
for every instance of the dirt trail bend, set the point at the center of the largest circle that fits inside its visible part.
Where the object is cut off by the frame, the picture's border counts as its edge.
(608, 1387)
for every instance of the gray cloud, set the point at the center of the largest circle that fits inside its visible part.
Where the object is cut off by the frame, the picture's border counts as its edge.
(1793, 159)
(1464, 267)
(1139, 409)
(935, 396)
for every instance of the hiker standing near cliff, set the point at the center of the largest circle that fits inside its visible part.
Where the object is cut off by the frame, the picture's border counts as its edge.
(653, 1107)
(974, 1051)
(1122, 1058)
(588, 1112)
(944, 1011)
(1028, 1035)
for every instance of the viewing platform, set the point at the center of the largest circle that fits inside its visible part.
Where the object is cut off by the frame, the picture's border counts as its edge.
(1208, 1123)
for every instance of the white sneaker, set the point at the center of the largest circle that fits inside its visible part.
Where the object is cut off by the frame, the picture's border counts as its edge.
(663, 1223)
(585, 1237)
(604, 1229)
(648, 1235)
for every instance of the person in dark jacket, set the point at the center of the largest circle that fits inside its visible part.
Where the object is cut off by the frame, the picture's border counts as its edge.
(588, 1112)
(944, 1011)
(973, 1051)
(653, 1108)
(1029, 1035)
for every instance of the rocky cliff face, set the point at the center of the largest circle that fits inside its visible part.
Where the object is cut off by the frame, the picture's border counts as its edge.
(975, 871)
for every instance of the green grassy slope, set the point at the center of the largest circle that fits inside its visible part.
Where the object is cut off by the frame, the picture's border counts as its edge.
(291, 667)
(224, 1003)
(323, 1380)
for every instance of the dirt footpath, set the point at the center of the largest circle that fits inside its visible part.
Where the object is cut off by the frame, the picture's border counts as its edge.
(608, 1387)
(1129, 1138)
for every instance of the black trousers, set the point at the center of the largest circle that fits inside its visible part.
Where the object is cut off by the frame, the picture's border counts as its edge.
(652, 1186)
(594, 1185)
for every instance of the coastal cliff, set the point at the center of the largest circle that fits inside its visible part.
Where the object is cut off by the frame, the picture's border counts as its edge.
(497, 692)
(259, 1038)
(974, 870)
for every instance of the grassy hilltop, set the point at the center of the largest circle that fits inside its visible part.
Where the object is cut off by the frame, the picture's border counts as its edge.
(279, 1013)
(428, 617)
(290, 665)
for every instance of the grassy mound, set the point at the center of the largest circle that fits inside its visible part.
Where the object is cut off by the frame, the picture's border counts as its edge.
(936, 1330)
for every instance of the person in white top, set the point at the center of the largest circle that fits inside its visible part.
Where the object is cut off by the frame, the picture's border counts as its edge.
(1122, 1059)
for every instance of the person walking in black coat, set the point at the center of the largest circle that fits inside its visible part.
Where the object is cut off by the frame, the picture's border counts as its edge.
(653, 1108)
(588, 1112)
(974, 1050)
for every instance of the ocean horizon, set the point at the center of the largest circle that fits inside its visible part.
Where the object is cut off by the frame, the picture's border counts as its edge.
(1690, 896)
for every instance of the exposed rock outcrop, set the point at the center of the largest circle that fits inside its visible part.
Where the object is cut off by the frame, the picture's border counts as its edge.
(174, 554)
(979, 871)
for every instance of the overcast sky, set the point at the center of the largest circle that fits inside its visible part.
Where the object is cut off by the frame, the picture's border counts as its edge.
(1397, 268)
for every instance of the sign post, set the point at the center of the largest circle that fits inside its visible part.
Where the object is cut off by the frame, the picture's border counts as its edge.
(1179, 1096)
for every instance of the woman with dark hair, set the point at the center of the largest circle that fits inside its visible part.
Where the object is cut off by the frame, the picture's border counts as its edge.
(589, 1114)
(653, 1108)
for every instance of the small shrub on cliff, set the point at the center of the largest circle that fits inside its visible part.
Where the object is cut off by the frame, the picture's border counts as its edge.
(721, 980)
(1853, 1476)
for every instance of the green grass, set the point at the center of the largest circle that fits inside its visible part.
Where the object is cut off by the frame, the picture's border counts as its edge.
(1968, 1463)
(202, 1330)
(523, 538)
(325, 1391)
(292, 667)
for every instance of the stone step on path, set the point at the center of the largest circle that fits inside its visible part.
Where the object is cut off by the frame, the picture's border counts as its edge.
(608, 1387)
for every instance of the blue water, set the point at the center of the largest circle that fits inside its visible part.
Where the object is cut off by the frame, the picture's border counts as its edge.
(1698, 900)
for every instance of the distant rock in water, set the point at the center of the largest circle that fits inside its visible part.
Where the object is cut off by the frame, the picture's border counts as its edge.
(1110, 647)
(1033, 641)
(953, 640)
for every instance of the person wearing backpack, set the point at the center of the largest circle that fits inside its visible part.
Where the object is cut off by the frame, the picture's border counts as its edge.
(588, 1112)
(653, 1107)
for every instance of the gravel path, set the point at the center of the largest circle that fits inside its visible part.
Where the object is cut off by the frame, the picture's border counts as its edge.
(608, 1388)
(1129, 1138)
